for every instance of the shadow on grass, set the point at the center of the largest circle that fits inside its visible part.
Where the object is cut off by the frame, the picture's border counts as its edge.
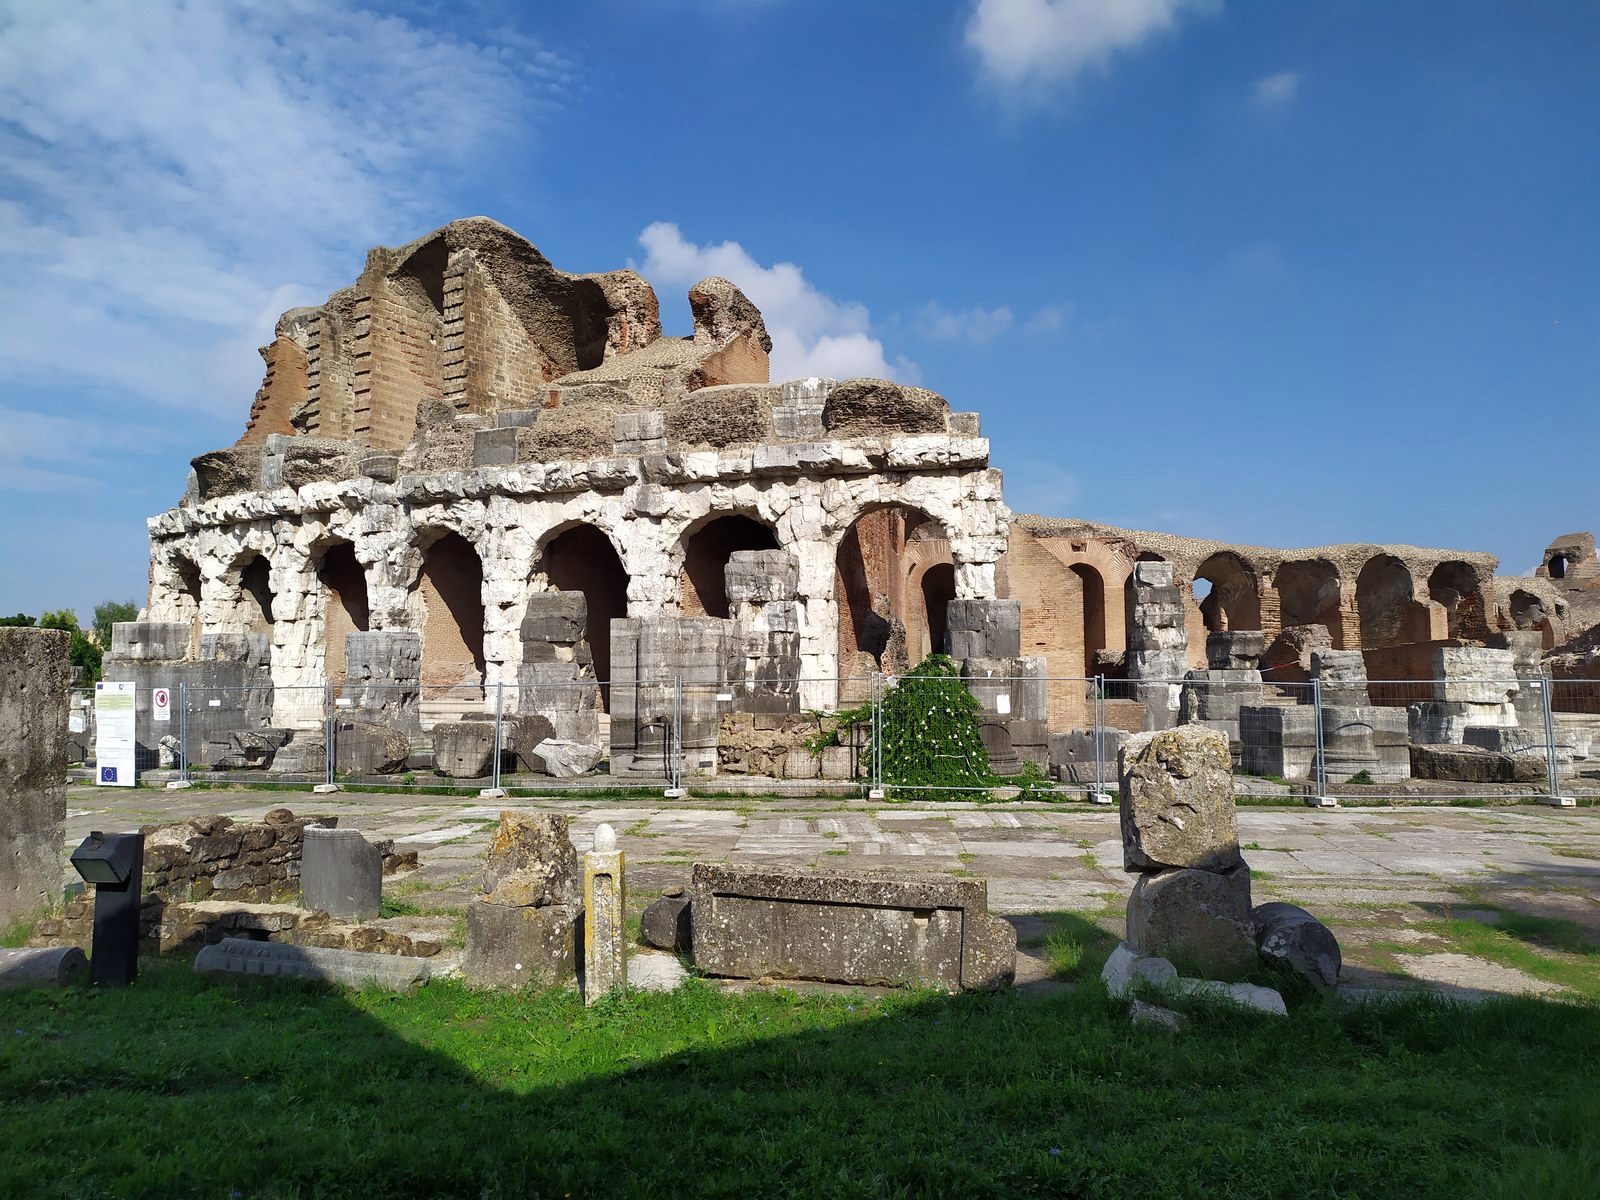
(265, 1088)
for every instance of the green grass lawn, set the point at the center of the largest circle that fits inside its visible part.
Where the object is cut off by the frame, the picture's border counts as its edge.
(182, 1087)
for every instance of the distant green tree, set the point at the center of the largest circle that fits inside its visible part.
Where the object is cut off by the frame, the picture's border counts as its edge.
(108, 614)
(21, 619)
(83, 653)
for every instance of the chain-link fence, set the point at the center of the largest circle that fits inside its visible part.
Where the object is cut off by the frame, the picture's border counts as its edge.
(964, 733)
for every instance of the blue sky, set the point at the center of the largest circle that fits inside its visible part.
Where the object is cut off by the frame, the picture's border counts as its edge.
(1270, 273)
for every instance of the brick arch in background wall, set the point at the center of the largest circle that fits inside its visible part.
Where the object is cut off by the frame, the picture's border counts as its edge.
(1309, 593)
(930, 585)
(1457, 588)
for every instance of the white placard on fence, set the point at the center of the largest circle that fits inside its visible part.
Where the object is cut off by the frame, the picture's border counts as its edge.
(161, 703)
(115, 741)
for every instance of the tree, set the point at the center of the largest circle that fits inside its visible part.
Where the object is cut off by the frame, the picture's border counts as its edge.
(108, 614)
(83, 652)
(21, 620)
(932, 749)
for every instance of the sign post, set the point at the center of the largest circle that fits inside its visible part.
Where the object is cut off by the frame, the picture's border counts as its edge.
(116, 744)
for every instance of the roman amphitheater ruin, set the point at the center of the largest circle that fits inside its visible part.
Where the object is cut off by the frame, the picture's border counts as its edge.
(473, 480)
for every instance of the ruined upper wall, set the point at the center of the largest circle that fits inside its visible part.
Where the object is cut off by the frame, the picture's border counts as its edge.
(473, 315)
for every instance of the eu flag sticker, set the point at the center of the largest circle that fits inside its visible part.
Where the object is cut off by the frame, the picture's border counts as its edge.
(108, 774)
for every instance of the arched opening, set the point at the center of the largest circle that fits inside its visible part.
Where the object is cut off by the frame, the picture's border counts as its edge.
(1308, 594)
(703, 587)
(1233, 599)
(1527, 610)
(1454, 587)
(582, 559)
(877, 611)
(422, 275)
(1556, 568)
(938, 589)
(255, 594)
(188, 600)
(1384, 599)
(451, 582)
(345, 608)
(1094, 614)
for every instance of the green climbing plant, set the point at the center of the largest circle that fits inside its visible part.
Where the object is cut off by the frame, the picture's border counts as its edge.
(931, 746)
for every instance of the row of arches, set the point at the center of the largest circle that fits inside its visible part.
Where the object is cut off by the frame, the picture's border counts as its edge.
(893, 570)
(1387, 606)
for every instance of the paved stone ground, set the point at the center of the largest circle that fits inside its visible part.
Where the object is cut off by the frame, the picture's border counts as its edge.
(1382, 878)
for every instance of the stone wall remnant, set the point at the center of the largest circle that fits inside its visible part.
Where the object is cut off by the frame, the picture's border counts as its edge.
(1157, 644)
(33, 769)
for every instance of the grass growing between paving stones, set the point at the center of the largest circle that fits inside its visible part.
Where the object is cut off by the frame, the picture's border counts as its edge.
(181, 1087)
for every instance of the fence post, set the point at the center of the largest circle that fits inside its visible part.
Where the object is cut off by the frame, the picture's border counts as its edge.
(875, 736)
(1320, 763)
(1098, 732)
(183, 732)
(330, 726)
(1552, 773)
(499, 711)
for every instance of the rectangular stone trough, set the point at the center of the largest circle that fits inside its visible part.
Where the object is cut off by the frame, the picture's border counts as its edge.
(755, 922)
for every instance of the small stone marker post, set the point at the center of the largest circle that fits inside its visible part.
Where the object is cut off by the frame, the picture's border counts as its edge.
(604, 964)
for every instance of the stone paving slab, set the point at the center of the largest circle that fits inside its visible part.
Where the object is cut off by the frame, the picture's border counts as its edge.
(1373, 875)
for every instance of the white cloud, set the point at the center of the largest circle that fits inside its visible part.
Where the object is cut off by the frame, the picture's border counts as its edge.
(1048, 319)
(1276, 91)
(975, 325)
(1026, 48)
(179, 173)
(812, 333)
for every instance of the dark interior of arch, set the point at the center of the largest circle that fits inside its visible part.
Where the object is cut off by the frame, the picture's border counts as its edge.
(1383, 597)
(938, 589)
(346, 609)
(583, 560)
(255, 582)
(1234, 601)
(703, 589)
(1094, 613)
(1308, 594)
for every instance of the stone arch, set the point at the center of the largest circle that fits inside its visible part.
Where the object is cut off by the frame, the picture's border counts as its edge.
(1308, 594)
(345, 605)
(1456, 587)
(580, 557)
(1094, 614)
(878, 611)
(255, 594)
(705, 549)
(929, 588)
(1528, 612)
(1233, 599)
(1557, 565)
(1386, 603)
(185, 590)
(451, 587)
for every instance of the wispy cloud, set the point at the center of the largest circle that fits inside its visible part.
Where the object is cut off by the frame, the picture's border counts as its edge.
(812, 333)
(1276, 92)
(178, 174)
(1028, 48)
(1049, 319)
(976, 325)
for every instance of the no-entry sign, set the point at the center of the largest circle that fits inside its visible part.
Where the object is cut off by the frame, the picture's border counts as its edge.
(161, 703)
